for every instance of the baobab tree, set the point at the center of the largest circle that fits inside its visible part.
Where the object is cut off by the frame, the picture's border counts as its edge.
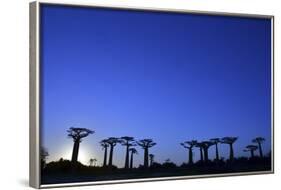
(206, 145)
(128, 142)
(146, 144)
(92, 161)
(95, 161)
(216, 141)
(230, 141)
(112, 141)
(151, 159)
(189, 145)
(251, 149)
(200, 146)
(133, 151)
(259, 141)
(77, 134)
(104, 145)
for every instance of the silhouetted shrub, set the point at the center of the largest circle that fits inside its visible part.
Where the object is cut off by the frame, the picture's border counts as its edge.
(156, 165)
(169, 165)
(62, 166)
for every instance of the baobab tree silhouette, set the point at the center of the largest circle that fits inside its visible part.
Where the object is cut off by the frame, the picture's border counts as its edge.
(151, 159)
(95, 161)
(112, 141)
(229, 141)
(133, 151)
(189, 145)
(128, 142)
(251, 149)
(216, 141)
(105, 145)
(200, 146)
(206, 145)
(259, 141)
(77, 134)
(92, 161)
(146, 144)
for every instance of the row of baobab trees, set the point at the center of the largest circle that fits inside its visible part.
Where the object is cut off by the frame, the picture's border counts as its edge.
(77, 134)
(205, 145)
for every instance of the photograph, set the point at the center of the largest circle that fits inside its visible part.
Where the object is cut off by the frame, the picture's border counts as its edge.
(129, 94)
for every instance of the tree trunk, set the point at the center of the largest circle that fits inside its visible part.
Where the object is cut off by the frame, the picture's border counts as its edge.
(206, 156)
(110, 156)
(252, 153)
(145, 162)
(217, 152)
(131, 162)
(127, 158)
(201, 154)
(75, 151)
(105, 156)
(231, 154)
(190, 160)
(260, 149)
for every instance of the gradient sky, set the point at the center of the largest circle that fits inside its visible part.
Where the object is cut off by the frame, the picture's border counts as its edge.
(170, 77)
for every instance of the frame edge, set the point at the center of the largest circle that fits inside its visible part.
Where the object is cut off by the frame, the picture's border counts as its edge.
(34, 97)
(34, 161)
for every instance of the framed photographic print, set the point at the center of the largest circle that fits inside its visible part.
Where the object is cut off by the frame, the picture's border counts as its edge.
(130, 94)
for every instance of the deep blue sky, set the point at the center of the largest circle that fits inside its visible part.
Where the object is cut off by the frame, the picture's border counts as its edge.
(170, 77)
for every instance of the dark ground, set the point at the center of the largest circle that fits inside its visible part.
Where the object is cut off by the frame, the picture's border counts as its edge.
(63, 172)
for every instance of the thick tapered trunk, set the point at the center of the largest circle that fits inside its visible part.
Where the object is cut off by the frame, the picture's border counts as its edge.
(260, 150)
(190, 159)
(127, 158)
(217, 152)
(252, 153)
(75, 151)
(201, 154)
(105, 156)
(110, 155)
(206, 156)
(231, 153)
(131, 161)
(145, 162)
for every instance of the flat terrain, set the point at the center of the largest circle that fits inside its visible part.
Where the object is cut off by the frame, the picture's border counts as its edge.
(90, 174)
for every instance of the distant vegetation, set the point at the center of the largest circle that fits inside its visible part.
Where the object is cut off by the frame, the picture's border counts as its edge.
(63, 170)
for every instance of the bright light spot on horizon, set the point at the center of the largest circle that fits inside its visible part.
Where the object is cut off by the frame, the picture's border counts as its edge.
(84, 155)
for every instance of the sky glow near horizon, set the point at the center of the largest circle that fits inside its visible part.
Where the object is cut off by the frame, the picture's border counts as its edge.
(170, 77)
